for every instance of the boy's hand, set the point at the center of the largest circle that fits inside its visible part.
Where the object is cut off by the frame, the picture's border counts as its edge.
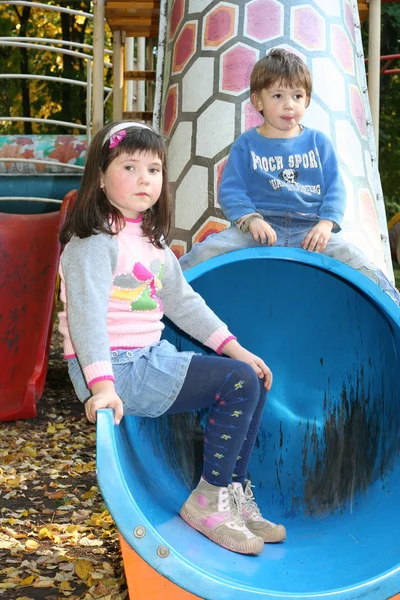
(262, 232)
(234, 350)
(104, 396)
(318, 237)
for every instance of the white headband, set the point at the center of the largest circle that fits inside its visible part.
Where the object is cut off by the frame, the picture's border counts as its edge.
(121, 126)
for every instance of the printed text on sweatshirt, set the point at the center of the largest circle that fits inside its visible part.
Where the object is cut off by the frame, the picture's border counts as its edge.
(298, 174)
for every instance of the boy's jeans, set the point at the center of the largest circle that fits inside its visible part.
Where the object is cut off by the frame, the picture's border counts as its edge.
(291, 229)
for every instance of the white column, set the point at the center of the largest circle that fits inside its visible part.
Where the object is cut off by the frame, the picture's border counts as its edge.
(118, 76)
(374, 65)
(129, 65)
(98, 66)
(150, 67)
(89, 71)
(141, 65)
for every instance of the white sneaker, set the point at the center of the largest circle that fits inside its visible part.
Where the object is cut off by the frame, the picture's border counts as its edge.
(217, 513)
(255, 522)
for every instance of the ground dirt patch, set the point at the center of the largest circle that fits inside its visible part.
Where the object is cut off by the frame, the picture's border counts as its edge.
(57, 540)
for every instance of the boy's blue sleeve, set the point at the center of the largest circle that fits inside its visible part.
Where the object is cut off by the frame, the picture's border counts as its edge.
(334, 201)
(233, 191)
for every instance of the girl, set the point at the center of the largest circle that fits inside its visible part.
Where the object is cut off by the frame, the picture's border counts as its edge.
(118, 278)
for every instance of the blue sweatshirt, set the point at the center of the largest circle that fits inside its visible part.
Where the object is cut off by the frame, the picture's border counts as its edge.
(298, 174)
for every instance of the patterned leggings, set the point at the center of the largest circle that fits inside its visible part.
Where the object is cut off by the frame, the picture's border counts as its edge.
(238, 397)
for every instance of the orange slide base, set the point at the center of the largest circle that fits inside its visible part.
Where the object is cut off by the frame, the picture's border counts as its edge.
(144, 583)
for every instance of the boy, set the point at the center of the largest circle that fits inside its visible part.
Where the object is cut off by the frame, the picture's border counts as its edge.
(281, 184)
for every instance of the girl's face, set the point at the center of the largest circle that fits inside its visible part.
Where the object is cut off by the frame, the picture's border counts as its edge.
(132, 182)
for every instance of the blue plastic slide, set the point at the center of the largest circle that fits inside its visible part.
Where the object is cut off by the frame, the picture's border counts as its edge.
(326, 462)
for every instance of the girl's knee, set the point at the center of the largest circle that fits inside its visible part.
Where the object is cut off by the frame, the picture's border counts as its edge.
(247, 374)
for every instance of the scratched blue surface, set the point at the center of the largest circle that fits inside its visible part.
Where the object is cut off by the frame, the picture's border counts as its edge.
(326, 462)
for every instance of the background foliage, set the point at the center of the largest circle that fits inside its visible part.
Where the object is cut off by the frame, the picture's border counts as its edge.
(389, 133)
(41, 98)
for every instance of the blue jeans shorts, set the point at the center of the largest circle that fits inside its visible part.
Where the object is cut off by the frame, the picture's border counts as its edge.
(147, 380)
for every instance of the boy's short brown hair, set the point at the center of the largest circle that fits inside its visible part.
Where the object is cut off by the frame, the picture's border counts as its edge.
(280, 66)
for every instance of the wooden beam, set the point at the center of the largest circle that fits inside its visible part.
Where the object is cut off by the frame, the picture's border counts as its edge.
(363, 10)
(139, 115)
(151, 13)
(137, 32)
(138, 18)
(126, 6)
(139, 75)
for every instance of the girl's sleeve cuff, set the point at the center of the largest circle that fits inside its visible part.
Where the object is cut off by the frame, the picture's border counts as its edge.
(219, 339)
(98, 371)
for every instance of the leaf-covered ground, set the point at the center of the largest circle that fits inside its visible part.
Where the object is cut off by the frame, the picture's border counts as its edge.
(57, 540)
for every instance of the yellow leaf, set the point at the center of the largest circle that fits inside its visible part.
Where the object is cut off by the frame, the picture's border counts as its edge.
(44, 533)
(64, 585)
(83, 568)
(30, 451)
(43, 582)
(89, 494)
(111, 581)
(55, 495)
(31, 545)
(51, 429)
(107, 534)
(24, 598)
(107, 568)
(27, 580)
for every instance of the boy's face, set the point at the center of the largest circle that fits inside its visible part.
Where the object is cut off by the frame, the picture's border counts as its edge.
(283, 109)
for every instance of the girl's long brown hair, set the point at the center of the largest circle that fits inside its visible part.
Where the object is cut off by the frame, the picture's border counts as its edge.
(93, 213)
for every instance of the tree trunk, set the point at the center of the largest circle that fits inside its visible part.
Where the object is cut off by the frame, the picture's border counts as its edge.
(24, 68)
(73, 110)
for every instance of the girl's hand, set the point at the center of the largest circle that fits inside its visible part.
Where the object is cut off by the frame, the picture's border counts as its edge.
(234, 350)
(318, 237)
(104, 396)
(262, 232)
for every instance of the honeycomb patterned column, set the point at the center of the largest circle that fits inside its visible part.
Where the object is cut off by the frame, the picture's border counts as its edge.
(211, 48)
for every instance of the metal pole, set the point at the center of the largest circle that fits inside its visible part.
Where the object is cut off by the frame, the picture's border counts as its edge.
(129, 67)
(118, 76)
(374, 51)
(89, 69)
(141, 62)
(135, 67)
(98, 66)
(150, 67)
(162, 37)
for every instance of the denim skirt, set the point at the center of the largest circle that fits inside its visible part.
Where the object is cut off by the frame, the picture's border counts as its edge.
(147, 380)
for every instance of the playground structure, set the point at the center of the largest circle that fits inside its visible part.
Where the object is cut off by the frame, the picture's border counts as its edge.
(326, 461)
(29, 253)
(205, 54)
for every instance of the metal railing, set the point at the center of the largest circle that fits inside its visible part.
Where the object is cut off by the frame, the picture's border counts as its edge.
(51, 45)
(30, 199)
(39, 161)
